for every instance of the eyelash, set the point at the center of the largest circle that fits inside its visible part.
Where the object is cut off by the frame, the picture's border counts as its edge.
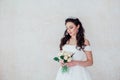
(69, 28)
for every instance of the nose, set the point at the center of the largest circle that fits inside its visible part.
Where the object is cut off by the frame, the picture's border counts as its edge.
(68, 30)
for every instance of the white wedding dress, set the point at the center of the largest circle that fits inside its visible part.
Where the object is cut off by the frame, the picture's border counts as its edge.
(76, 72)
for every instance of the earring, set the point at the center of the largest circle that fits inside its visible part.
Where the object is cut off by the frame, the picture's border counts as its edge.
(66, 33)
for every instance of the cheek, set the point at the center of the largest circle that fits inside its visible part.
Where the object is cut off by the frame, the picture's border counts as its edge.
(74, 30)
(68, 31)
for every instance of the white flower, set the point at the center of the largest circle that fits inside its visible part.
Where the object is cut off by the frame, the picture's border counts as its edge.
(65, 53)
(69, 60)
(66, 57)
(69, 55)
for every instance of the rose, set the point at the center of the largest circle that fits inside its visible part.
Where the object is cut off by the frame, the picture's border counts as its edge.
(69, 60)
(65, 57)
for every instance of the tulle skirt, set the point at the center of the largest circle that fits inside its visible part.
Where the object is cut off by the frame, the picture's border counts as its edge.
(74, 73)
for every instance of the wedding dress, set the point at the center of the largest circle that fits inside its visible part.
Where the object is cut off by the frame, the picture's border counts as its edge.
(75, 72)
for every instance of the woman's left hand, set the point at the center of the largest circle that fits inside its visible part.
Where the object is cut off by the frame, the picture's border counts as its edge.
(72, 63)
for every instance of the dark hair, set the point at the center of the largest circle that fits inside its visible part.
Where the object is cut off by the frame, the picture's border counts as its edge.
(80, 35)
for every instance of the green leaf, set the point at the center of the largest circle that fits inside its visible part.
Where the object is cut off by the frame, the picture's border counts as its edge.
(65, 61)
(65, 69)
(62, 57)
(56, 59)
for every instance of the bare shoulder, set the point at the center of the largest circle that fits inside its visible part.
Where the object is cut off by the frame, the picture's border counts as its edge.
(87, 42)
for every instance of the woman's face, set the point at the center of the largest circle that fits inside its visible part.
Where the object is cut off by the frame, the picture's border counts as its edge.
(72, 29)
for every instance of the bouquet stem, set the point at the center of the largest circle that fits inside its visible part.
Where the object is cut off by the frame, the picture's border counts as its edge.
(65, 69)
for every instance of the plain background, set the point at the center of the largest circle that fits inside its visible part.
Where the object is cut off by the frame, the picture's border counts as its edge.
(30, 33)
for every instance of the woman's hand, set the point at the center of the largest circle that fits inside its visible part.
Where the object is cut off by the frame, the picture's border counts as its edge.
(62, 63)
(75, 63)
(69, 64)
(80, 63)
(72, 63)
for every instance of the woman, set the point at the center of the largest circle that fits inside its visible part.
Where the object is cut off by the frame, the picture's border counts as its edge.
(75, 41)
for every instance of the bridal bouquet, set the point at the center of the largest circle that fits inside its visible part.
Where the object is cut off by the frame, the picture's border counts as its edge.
(64, 57)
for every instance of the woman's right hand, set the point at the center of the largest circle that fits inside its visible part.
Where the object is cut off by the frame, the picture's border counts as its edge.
(62, 63)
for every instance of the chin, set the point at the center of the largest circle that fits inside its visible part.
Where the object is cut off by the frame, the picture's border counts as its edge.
(70, 34)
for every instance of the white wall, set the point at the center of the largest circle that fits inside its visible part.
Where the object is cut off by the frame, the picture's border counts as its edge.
(30, 32)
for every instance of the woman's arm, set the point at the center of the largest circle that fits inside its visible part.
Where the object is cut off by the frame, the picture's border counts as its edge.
(88, 62)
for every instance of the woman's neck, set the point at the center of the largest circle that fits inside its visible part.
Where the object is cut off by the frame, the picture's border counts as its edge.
(73, 37)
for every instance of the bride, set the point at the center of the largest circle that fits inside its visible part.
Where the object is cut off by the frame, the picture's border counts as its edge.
(75, 41)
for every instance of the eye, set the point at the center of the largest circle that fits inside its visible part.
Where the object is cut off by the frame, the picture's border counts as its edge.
(71, 27)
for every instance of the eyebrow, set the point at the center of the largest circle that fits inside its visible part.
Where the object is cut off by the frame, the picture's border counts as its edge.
(69, 26)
